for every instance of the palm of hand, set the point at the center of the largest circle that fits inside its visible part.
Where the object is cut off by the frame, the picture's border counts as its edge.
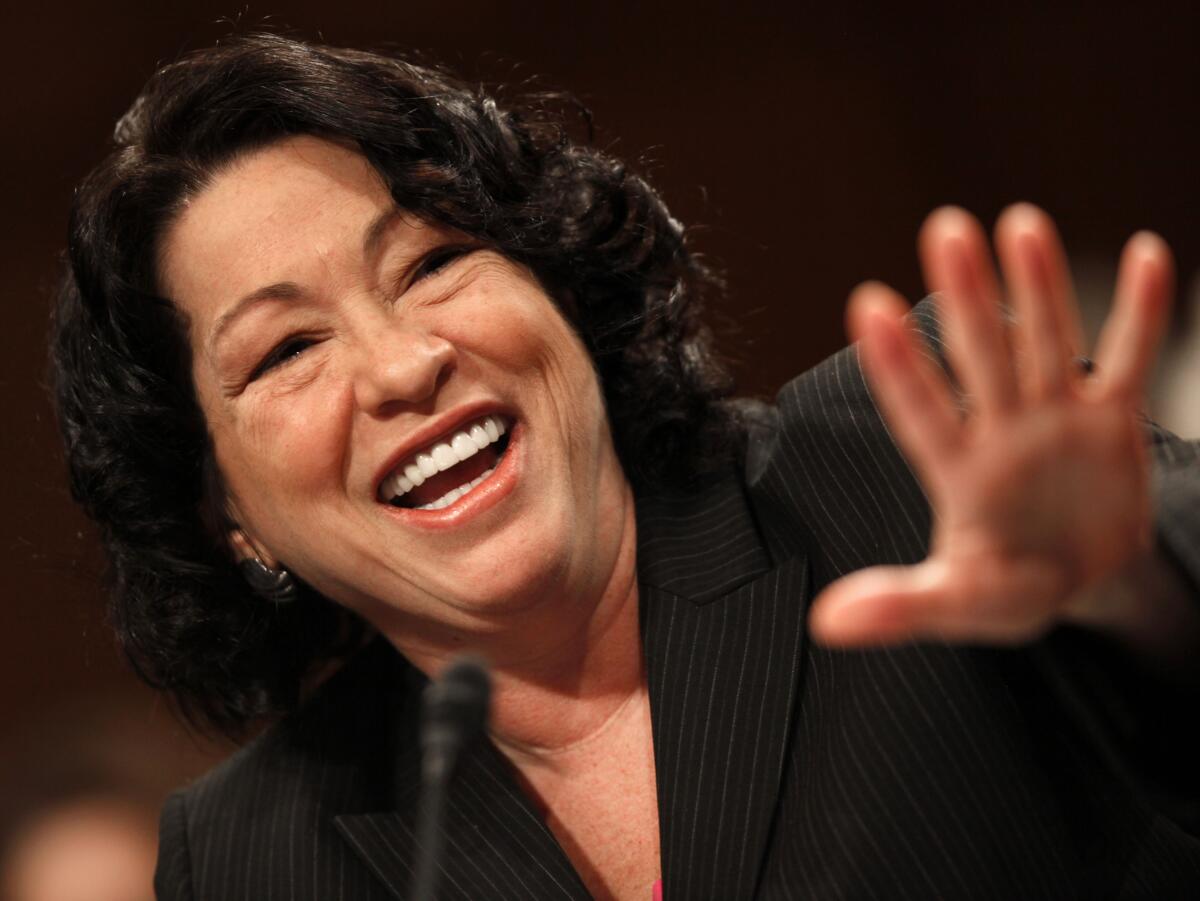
(1040, 491)
(1037, 508)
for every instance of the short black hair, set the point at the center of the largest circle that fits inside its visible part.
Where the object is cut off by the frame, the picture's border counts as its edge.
(139, 453)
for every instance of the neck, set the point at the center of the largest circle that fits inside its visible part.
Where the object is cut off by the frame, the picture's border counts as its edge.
(562, 673)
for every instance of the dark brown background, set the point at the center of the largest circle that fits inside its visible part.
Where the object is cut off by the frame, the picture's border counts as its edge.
(807, 144)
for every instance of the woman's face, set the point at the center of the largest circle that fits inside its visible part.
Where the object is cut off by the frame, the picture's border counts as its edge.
(339, 344)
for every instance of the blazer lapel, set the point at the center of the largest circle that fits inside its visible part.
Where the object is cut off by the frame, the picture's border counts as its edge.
(494, 844)
(723, 635)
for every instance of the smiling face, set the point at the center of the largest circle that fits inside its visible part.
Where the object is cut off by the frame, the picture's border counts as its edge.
(341, 349)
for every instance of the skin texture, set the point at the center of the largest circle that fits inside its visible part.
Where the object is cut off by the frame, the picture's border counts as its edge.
(365, 353)
(1041, 490)
(386, 349)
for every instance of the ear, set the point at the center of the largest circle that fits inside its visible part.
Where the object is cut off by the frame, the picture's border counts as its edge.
(240, 542)
(261, 570)
(246, 548)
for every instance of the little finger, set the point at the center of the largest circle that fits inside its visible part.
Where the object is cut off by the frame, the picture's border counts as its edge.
(1129, 340)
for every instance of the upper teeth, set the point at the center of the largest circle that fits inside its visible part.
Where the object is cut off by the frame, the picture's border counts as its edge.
(464, 443)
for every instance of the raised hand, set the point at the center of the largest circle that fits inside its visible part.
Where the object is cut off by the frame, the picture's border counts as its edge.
(1035, 469)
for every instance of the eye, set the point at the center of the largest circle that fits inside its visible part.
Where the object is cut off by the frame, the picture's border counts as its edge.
(284, 353)
(438, 260)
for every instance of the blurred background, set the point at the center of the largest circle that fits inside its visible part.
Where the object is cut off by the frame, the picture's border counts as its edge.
(805, 145)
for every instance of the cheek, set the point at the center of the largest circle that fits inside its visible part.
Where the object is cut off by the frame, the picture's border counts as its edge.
(505, 316)
(530, 337)
(512, 335)
(283, 452)
(559, 360)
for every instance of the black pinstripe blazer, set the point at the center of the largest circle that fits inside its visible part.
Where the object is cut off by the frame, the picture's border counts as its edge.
(784, 770)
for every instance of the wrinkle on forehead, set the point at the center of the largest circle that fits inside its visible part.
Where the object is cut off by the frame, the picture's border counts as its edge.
(348, 174)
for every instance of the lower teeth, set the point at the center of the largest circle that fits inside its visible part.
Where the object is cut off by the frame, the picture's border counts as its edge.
(455, 493)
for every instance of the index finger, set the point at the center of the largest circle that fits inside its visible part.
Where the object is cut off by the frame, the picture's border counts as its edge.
(912, 394)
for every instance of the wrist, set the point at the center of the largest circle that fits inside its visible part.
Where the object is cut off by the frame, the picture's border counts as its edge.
(1145, 607)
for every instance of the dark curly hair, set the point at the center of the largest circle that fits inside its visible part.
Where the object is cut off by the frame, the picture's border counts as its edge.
(138, 449)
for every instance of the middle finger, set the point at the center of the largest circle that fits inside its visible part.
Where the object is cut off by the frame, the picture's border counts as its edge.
(956, 262)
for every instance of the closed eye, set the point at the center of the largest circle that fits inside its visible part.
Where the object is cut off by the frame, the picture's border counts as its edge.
(284, 353)
(440, 259)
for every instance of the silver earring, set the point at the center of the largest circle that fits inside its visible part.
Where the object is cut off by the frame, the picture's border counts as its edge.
(276, 585)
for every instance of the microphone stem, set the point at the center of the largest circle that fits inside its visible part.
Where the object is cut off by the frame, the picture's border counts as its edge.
(454, 712)
(429, 825)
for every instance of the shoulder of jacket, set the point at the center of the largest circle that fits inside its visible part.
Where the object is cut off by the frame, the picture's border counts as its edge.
(318, 756)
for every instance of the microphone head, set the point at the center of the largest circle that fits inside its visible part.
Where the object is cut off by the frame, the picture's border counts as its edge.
(456, 703)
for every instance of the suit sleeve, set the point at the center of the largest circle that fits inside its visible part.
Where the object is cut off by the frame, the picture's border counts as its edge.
(173, 874)
(1177, 502)
(1148, 723)
(829, 468)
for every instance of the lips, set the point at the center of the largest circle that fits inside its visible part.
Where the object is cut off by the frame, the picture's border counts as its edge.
(450, 467)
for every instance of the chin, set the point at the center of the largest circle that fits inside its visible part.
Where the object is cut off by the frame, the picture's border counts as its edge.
(514, 583)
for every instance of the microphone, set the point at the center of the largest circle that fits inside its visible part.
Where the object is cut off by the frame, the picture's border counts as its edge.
(453, 713)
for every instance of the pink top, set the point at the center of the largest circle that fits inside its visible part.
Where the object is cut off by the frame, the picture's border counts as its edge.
(658, 890)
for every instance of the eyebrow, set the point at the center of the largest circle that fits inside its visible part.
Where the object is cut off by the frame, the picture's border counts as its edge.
(290, 290)
(277, 291)
(377, 229)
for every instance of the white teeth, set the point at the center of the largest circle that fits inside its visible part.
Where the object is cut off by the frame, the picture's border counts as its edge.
(427, 466)
(461, 446)
(455, 493)
(444, 456)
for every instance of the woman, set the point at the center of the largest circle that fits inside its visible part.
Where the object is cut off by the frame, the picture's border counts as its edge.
(344, 344)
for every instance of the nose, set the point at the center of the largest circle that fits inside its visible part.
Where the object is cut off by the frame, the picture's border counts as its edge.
(400, 366)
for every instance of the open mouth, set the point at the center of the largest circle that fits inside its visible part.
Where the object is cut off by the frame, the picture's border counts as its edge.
(442, 473)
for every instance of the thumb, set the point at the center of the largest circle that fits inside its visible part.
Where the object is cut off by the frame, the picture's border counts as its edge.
(879, 606)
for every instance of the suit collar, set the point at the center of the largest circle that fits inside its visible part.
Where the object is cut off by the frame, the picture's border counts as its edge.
(699, 546)
(495, 844)
(722, 633)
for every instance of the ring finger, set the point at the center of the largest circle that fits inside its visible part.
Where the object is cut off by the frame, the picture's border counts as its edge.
(1048, 334)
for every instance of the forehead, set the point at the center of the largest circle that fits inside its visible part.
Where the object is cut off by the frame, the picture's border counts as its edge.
(270, 216)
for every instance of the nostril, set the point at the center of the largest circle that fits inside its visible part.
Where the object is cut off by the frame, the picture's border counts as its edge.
(409, 368)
